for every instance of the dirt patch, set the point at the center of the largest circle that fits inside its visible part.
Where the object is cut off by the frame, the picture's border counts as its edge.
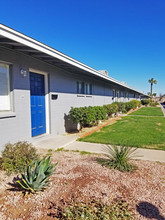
(82, 177)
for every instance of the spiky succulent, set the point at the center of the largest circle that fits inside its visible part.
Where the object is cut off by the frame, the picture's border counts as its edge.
(36, 177)
(119, 157)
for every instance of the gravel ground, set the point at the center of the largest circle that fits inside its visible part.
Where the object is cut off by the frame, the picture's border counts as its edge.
(82, 177)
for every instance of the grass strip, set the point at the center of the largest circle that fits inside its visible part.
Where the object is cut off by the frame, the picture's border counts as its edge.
(148, 111)
(145, 132)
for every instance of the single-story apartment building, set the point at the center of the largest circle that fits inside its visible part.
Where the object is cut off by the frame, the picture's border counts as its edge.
(38, 86)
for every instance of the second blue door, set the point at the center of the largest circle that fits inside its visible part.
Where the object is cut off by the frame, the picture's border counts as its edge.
(37, 96)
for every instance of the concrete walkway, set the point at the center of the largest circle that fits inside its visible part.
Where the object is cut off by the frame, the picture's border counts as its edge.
(69, 142)
(145, 154)
(54, 142)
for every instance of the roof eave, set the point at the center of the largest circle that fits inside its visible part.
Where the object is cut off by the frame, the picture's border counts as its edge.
(29, 42)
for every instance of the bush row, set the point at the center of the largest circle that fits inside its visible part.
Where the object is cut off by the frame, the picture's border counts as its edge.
(147, 102)
(89, 116)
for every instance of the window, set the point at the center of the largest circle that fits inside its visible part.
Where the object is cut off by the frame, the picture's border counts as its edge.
(4, 88)
(128, 95)
(114, 94)
(80, 87)
(88, 89)
(118, 94)
(84, 88)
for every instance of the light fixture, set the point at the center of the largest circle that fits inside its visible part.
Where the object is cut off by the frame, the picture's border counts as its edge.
(23, 72)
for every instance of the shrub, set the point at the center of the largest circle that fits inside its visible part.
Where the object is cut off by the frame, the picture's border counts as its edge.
(153, 104)
(86, 116)
(100, 113)
(119, 157)
(89, 116)
(15, 157)
(135, 103)
(139, 103)
(121, 106)
(96, 210)
(132, 105)
(128, 106)
(76, 114)
(145, 101)
(111, 109)
(37, 175)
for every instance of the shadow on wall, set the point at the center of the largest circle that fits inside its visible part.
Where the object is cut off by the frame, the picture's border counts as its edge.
(69, 125)
(149, 211)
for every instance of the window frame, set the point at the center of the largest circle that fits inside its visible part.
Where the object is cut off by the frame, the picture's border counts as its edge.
(88, 89)
(9, 88)
(118, 94)
(82, 88)
(128, 95)
(114, 95)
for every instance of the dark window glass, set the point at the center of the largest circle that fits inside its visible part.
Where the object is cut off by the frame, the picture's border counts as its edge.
(80, 87)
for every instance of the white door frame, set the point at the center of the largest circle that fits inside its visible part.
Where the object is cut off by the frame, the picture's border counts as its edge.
(46, 97)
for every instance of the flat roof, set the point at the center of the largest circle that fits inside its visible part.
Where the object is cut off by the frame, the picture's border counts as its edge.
(17, 41)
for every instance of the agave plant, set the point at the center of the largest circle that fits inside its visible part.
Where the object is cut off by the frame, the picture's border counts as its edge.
(119, 157)
(36, 177)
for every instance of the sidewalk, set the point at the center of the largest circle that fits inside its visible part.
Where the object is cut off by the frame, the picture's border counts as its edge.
(54, 141)
(69, 142)
(147, 154)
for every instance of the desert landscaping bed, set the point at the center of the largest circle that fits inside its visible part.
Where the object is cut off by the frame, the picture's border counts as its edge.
(80, 177)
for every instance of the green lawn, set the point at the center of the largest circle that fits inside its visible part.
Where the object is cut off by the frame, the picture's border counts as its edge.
(135, 131)
(149, 111)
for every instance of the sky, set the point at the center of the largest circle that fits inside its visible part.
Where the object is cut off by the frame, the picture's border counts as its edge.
(124, 37)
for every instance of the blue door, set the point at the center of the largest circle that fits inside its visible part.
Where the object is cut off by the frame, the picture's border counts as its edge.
(37, 94)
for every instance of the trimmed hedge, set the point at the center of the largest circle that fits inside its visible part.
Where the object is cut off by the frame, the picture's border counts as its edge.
(132, 105)
(145, 101)
(153, 104)
(111, 109)
(89, 116)
(100, 113)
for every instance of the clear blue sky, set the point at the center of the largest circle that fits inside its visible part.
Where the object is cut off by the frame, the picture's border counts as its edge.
(125, 37)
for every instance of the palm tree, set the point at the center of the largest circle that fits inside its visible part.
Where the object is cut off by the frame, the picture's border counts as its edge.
(152, 81)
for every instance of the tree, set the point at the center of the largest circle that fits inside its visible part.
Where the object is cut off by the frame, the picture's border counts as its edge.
(152, 81)
(154, 94)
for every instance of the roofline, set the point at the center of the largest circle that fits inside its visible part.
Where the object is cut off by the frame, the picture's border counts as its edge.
(30, 42)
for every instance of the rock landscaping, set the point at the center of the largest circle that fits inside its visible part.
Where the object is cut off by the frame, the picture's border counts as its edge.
(80, 184)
